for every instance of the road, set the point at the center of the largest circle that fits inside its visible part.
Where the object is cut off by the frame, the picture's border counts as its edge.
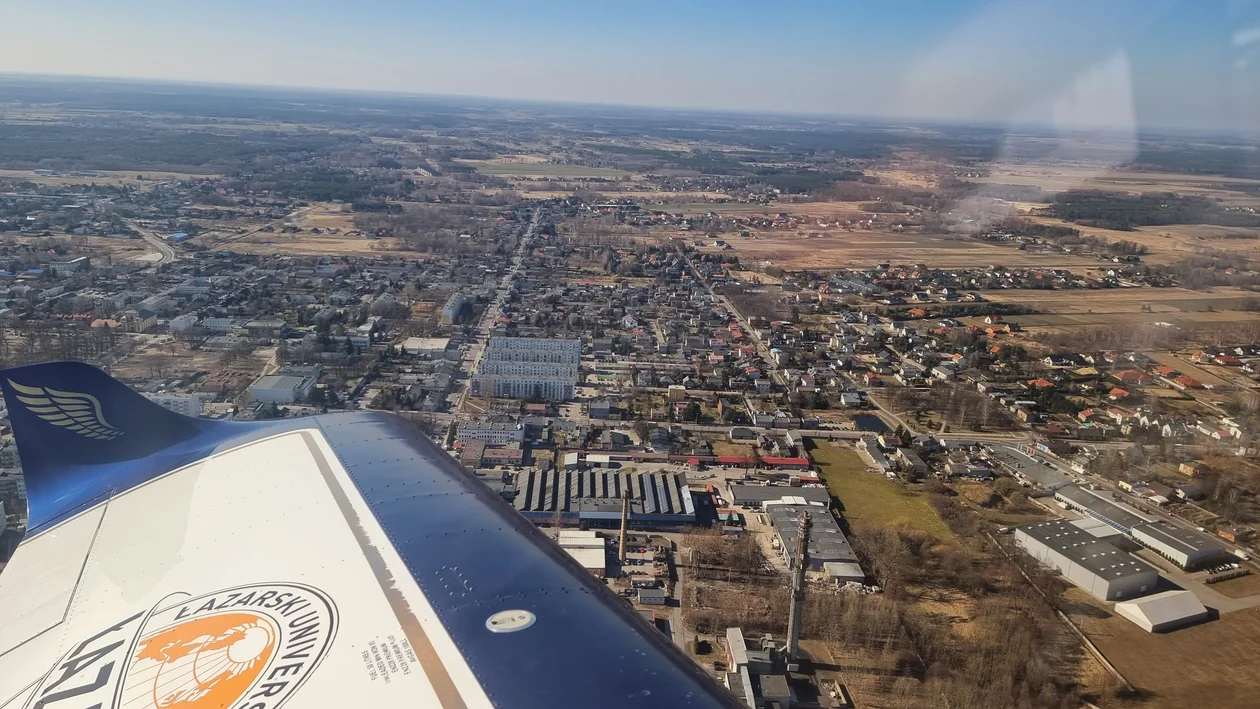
(165, 250)
(493, 311)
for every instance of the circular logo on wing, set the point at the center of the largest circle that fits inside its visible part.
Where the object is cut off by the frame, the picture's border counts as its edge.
(245, 646)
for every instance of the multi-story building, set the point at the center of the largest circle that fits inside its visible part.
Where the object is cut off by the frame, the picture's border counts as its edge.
(455, 307)
(217, 326)
(186, 404)
(529, 367)
(491, 432)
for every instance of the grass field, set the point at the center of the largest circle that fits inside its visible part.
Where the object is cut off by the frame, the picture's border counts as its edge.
(871, 500)
(532, 169)
(1212, 664)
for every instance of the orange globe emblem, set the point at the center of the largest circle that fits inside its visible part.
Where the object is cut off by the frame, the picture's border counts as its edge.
(204, 663)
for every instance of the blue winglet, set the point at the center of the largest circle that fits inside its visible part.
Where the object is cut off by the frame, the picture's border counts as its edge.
(82, 435)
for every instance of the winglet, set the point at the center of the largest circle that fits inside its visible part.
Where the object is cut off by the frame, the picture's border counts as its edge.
(68, 414)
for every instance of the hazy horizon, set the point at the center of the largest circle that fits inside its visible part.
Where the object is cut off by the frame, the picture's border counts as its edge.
(1071, 64)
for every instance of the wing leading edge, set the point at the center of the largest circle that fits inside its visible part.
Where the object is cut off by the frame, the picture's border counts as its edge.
(401, 575)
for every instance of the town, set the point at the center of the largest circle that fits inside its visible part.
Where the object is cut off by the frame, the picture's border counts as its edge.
(813, 478)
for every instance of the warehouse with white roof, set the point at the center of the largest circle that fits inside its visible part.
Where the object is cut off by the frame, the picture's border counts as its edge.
(1094, 564)
(1163, 611)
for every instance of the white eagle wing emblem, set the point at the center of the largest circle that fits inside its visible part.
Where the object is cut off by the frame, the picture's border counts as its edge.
(71, 410)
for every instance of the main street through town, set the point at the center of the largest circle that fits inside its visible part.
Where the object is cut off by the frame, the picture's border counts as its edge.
(468, 364)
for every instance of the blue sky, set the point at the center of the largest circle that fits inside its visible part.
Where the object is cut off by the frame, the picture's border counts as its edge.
(1071, 62)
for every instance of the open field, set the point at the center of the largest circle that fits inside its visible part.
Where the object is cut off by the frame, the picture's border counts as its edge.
(1212, 664)
(1124, 300)
(1240, 587)
(860, 249)
(870, 500)
(326, 216)
(108, 177)
(1057, 178)
(534, 169)
(307, 244)
(1173, 242)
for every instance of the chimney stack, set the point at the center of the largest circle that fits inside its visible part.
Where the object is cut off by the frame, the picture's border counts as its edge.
(625, 521)
(800, 562)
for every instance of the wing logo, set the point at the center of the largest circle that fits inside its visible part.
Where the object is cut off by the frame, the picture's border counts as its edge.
(71, 410)
(249, 646)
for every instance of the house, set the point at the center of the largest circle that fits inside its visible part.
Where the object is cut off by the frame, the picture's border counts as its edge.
(1189, 491)
(653, 596)
(1132, 376)
(1117, 394)
(1236, 533)
(1040, 384)
(1186, 381)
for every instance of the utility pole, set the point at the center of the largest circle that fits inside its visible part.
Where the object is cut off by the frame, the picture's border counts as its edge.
(800, 562)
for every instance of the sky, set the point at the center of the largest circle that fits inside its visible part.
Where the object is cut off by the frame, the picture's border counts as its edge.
(1087, 63)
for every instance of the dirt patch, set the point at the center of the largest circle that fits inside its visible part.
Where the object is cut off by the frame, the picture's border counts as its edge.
(1241, 587)
(1209, 665)
(860, 249)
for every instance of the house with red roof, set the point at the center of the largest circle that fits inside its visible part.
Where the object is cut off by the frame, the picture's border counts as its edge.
(1186, 381)
(1132, 376)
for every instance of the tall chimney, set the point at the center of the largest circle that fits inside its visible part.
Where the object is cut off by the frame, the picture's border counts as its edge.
(625, 521)
(800, 562)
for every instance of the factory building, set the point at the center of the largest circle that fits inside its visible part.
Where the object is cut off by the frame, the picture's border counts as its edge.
(829, 550)
(1183, 547)
(756, 496)
(1094, 564)
(595, 497)
(756, 673)
(1121, 517)
(281, 389)
(587, 548)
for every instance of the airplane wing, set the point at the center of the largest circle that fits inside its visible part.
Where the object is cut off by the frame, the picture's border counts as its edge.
(328, 561)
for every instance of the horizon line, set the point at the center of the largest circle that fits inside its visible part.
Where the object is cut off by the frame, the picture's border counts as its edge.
(893, 120)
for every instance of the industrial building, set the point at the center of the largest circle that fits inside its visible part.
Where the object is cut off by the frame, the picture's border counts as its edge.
(829, 550)
(529, 367)
(1183, 547)
(756, 674)
(756, 496)
(595, 497)
(587, 548)
(1094, 564)
(431, 347)
(281, 389)
(1122, 517)
(1163, 611)
(491, 432)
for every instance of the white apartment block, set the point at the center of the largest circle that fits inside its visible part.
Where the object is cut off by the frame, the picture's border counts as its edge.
(533, 349)
(527, 367)
(519, 387)
(186, 404)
